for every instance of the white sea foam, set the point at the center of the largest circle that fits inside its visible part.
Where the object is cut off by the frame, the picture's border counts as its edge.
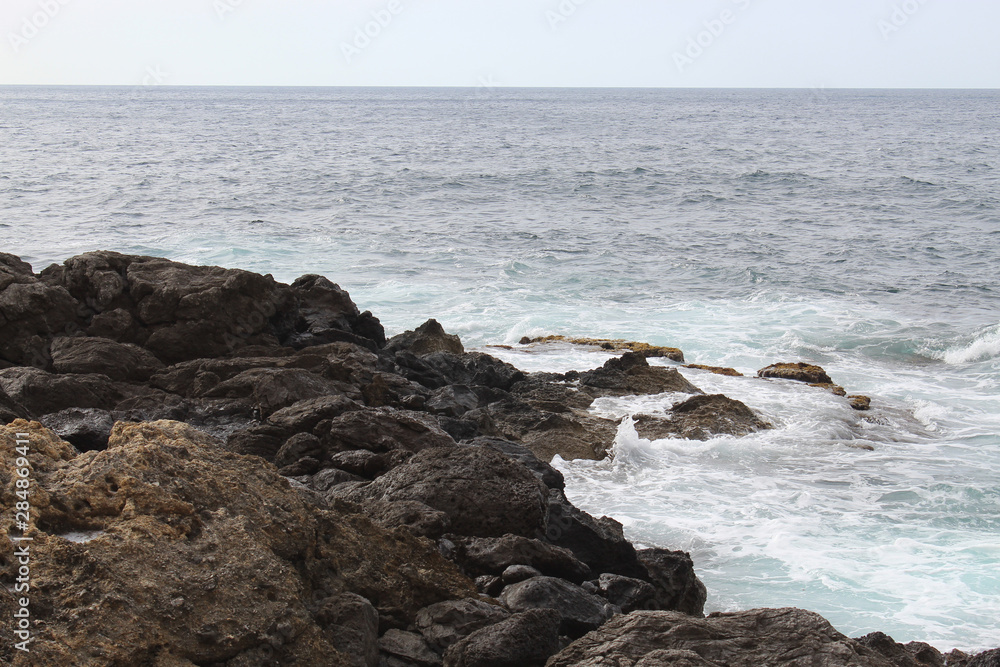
(986, 345)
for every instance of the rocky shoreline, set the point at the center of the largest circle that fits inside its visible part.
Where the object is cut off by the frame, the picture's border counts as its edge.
(232, 471)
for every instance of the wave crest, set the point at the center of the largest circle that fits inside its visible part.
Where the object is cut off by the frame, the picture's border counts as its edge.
(985, 345)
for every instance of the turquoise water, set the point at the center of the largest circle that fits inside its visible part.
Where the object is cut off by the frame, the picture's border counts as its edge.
(855, 229)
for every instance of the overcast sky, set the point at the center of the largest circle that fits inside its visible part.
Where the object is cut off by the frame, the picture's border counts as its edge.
(686, 43)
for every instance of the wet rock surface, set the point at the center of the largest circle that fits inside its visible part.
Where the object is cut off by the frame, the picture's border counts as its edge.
(233, 471)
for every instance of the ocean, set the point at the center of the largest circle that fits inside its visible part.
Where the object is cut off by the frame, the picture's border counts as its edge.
(859, 230)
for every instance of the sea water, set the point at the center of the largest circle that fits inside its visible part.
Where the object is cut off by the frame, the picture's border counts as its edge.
(859, 230)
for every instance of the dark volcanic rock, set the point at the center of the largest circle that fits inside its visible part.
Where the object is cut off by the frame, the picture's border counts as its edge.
(31, 314)
(914, 654)
(484, 493)
(11, 409)
(274, 388)
(119, 361)
(571, 435)
(86, 429)
(600, 543)
(452, 401)
(579, 611)
(350, 623)
(427, 338)
(523, 640)
(772, 637)
(382, 430)
(549, 476)
(327, 314)
(989, 658)
(701, 417)
(493, 555)
(800, 372)
(631, 374)
(42, 393)
(409, 647)
(627, 593)
(444, 623)
(672, 575)
(303, 416)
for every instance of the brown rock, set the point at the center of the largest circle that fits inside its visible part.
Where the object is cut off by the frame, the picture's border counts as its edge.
(700, 418)
(209, 553)
(800, 372)
(631, 374)
(429, 337)
(859, 402)
(615, 344)
(119, 361)
(718, 370)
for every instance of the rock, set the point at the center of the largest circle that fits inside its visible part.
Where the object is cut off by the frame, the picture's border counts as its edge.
(579, 611)
(416, 517)
(443, 368)
(986, 659)
(408, 646)
(119, 361)
(548, 475)
(274, 388)
(31, 314)
(672, 575)
(209, 553)
(11, 409)
(327, 314)
(87, 429)
(303, 416)
(263, 440)
(627, 593)
(382, 430)
(494, 555)
(772, 637)
(297, 447)
(859, 402)
(484, 493)
(350, 623)
(631, 374)
(644, 349)
(701, 417)
(453, 401)
(523, 640)
(369, 465)
(801, 372)
(42, 393)
(570, 435)
(324, 480)
(517, 573)
(914, 654)
(717, 370)
(427, 338)
(444, 623)
(599, 543)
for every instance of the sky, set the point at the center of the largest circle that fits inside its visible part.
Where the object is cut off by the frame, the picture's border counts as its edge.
(497, 43)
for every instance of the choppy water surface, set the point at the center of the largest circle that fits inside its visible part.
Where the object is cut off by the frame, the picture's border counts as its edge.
(854, 229)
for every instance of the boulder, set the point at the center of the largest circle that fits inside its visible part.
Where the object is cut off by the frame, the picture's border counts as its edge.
(408, 647)
(86, 429)
(599, 543)
(42, 393)
(350, 623)
(672, 575)
(494, 555)
(631, 374)
(382, 430)
(31, 314)
(859, 402)
(800, 372)
(272, 389)
(119, 361)
(569, 434)
(523, 640)
(429, 337)
(579, 611)
(627, 593)
(326, 314)
(701, 417)
(11, 409)
(548, 475)
(303, 416)
(772, 637)
(453, 401)
(444, 623)
(989, 658)
(208, 554)
(484, 493)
